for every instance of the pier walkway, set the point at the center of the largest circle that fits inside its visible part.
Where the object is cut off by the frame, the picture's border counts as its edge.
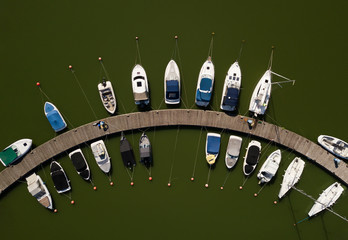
(173, 117)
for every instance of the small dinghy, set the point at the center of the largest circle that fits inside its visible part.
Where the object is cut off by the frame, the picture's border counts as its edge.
(205, 83)
(107, 96)
(270, 167)
(54, 117)
(145, 150)
(326, 199)
(80, 164)
(38, 189)
(172, 83)
(212, 147)
(252, 156)
(101, 155)
(140, 86)
(233, 151)
(261, 95)
(127, 153)
(230, 92)
(60, 180)
(15, 151)
(334, 145)
(292, 176)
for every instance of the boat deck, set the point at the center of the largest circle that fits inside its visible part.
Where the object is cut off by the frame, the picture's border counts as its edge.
(172, 117)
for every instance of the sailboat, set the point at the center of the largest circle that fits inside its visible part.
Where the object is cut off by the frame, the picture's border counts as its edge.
(292, 176)
(107, 96)
(231, 89)
(205, 83)
(172, 83)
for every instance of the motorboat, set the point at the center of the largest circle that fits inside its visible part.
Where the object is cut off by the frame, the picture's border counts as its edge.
(328, 197)
(38, 189)
(80, 164)
(205, 83)
(270, 167)
(172, 83)
(107, 96)
(261, 95)
(54, 117)
(334, 145)
(140, 86)
(145, 150)
(231, 89)
(15, 151)
(127, 153)
(251, 158)
(212, 147)
(292, 175)
(233, 151)
(101, 155)
(60, 179)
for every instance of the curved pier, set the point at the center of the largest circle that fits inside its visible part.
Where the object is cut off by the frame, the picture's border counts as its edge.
(172, 117)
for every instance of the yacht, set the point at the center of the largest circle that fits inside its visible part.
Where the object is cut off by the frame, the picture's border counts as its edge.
(205, 83)
(261, 95)
(140, 86)
(270, 167)
(231, 89)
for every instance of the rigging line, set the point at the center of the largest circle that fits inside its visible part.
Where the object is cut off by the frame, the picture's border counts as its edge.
(173, 158)
(281, 76)
(240, 50)
(271, 59)
(195, 162)
(84, 94)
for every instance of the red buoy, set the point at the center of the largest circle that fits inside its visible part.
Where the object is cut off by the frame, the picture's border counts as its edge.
(55, 210)
(240, 188)
(38, 84)
(136, 38)
(150, 178)
(255, 194)
(72, 202)
(192, 179)
(169, 184)
(94, 188)
(206, 185)
(99, 58)
(221, 188)
(70, 67)
(132, 183)
(111, 183)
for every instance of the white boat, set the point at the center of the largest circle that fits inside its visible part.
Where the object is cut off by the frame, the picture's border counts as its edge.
(292, 176)
(59, 178)
(251, 158)
(140, 86)
(212, 147)
(334, 145)
(15, 151)
(233, 151)
(205, 83)
(80, 164)
(261, 95)
(326, 199)
(54, 117)
(101, 155)
(172, 83)
(230, 92)
(38, 189)
(270, 167)
(107, 96)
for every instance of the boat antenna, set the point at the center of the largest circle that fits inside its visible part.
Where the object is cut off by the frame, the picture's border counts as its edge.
(210, 51)
(271, 59)
(240, 50)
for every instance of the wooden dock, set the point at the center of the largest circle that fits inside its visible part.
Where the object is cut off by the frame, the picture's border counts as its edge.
(186, 117)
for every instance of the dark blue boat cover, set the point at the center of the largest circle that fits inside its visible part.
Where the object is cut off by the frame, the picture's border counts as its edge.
(172, 89)
(213, 144)
(203, 97)
(231, 98)
(206, 84)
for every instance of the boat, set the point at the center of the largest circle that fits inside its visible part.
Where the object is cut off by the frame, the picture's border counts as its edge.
(233, 150)
(205, 83)
(261, 95)
(292, 175)
(15, 151)
(107, 96)
(270, 167)
(101, 155)
(328, 197)
(54, 117)
(172, 83)
(60, 180)
(127, 153)
(212, 147)
(38, 189)
(140, 86)
(80, 164)
(231, 89)
(145, 150)
(334, 145)
(251, 158)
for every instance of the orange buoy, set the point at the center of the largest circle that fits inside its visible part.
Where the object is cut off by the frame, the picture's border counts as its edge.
(38, 84)
(192, 179)
(221, 187)
(55, 210)
(72, 202)
(255, 194)
(99, 58)
(94, 188)
(169, 185)
(136, 38)
(275, 202)
(240, 188)
(111, 183)
(70, 67)
(206, 185)
(132, 183)
(150, 178)
(176, 37)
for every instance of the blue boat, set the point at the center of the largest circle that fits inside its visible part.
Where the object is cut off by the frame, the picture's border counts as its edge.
(230, 92)
(212, 147)
(205, 84)
(54, 117)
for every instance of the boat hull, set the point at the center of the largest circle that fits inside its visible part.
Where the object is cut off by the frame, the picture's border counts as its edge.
(205, 84)
(270, 167)
(54, 117)
(172, 83)
(101, 155)
(140, 86)
(233, 151)
(231, 89)
(334, 145)
(38, 189)
(107, 96)
(80, 164)
(60, 179)
(145, 150)
(15, 151)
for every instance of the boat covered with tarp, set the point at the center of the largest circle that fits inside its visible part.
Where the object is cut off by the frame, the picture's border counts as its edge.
(127, 153)
(205, 83)
(145, 150)
(212, 147)
(251, 157)
(59, 178)
(80, 164)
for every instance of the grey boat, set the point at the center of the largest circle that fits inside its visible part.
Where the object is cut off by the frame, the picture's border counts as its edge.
(233, 150)
(145, 150)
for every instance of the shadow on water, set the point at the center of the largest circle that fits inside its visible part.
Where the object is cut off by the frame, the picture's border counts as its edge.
(293, 216)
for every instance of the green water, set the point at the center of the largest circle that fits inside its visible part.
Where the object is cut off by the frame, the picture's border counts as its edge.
(39, 39)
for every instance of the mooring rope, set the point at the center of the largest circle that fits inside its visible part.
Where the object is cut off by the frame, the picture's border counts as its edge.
(240, 50)
(137, 53)
(195, 162)
(210, 51)
(173, 158)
